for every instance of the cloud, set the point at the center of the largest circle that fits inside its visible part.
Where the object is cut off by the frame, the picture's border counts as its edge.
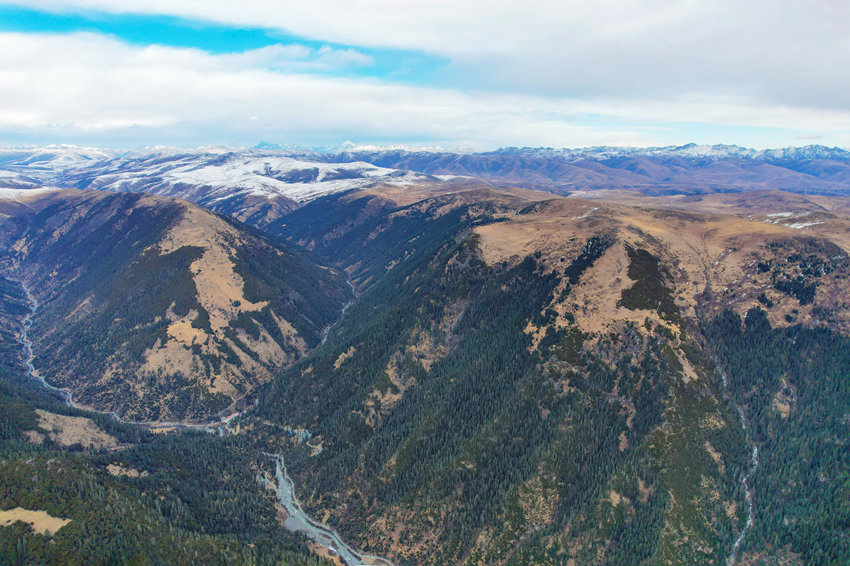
(296, 57)
(88, 88)
(782, 52)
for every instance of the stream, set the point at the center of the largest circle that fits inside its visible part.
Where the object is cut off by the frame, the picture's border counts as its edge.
(745, 477)
(215, 427)
(298, 520)
(23, 340)
(341, 314)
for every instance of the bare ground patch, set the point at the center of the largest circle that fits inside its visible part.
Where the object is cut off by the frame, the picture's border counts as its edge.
(69, 431)
(343, 357)
(116, 470)
(40, 521)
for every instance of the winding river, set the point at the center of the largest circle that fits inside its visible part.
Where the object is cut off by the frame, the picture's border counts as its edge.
(23, 339)
(298, 520)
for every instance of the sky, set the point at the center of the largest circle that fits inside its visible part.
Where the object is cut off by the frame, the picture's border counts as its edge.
(460, 74)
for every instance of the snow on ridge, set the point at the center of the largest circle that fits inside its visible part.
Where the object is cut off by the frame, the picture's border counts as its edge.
(51, 157)
(15, 194)
(800, 225)
(215, 174)
(298, 180)
(687, 151)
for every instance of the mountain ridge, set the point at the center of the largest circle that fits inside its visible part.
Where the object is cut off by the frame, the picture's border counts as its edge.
(261, 185)
(534, 380)
(156, 308)
(522, 378)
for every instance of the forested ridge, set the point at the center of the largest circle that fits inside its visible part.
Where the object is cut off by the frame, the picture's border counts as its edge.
(189, 498)
(496, 393)
(436, 414)
(159, 343)
(432, 412)
(794, 386)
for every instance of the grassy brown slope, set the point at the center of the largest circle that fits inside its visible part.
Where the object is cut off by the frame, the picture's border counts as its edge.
(158, 309)
(475, 408)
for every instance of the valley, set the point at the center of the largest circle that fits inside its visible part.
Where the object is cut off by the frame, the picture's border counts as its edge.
(298, 521)
(218, 427)
(745, 480)
(453, 372)
(213, 325)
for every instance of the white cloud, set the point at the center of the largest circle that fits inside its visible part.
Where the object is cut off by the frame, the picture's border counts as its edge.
(775, 51)
(86, 88)
(297, 57)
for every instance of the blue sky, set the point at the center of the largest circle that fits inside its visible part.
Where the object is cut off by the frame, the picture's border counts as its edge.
(147, 29)
(469, 73)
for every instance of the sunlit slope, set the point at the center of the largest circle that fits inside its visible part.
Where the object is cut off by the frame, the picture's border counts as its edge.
(526, 380)
(158, 309)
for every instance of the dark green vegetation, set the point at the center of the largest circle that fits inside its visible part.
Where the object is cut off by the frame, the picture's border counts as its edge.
(650, 290)
(196, 499)
(800, 267)
(94, 263)
(368, 234)
(794, 385)
(13, 307)
(593, 250)
(439, 416)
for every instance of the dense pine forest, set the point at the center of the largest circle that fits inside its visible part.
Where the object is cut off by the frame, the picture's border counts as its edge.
(189, 498)
(794, 386)
(434, 406)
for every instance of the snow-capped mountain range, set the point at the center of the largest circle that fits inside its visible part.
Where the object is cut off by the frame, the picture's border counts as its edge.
(211, 176)
(230, 180)
(248, 184)
(215, 172)
(677, 169)
(691, 151)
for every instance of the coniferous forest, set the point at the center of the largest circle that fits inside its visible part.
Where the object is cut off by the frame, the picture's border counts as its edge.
(582, 398)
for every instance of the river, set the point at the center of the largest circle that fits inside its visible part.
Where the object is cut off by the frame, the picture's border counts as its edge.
(298, 520)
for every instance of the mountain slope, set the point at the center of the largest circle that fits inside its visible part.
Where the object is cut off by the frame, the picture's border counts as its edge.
(81, 488)
(526, 380)
(157, 309)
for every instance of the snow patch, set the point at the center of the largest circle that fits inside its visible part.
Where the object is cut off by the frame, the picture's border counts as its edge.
(15, 194)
